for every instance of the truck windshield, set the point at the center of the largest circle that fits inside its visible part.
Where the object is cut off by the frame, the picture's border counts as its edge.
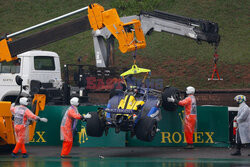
(10, 67)
(44, 63)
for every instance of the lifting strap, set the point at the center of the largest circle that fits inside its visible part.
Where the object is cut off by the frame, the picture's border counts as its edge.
(215, 70)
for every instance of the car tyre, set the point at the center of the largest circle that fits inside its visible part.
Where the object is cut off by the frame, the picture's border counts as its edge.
(168, 92)
(95, 126)
(146, 128)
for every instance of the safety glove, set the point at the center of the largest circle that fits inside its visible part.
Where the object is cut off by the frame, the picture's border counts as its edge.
(43, 119)
(88, 115)
(171, 99)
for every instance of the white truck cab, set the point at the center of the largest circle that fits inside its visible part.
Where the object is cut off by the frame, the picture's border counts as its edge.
(43, 66)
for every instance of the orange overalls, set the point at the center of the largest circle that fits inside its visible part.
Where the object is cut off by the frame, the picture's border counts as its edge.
(21, 125)
(190, 117)
(68, 125)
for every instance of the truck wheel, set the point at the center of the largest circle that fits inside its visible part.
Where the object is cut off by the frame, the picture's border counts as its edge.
(8, 148)
(95, 126)
(168, 92)
(145, 129)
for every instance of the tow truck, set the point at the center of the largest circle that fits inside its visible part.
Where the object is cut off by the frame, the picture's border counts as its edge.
(40, 70)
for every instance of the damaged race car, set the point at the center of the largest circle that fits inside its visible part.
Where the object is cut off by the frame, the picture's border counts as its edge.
(136, 109)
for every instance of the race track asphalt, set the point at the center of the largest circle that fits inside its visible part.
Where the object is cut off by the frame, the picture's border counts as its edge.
(129, 157)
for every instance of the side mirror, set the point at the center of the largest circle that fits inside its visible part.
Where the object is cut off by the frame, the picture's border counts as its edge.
(19, 80)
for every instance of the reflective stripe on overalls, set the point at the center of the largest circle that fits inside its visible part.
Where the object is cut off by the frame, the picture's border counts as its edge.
(66, 115)
(193, 107)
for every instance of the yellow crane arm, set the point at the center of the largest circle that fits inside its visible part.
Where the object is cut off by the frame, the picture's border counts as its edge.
(5, 52)
(129, 35)
(39, 102)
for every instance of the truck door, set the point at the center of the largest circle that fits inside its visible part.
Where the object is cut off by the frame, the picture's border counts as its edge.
(8, 72)
(46, 69)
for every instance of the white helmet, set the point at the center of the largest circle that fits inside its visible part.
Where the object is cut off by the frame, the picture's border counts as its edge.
(190, 90)
(74, 101)
(24, 101)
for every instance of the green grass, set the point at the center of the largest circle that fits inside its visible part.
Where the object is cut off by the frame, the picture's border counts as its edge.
(179, 61)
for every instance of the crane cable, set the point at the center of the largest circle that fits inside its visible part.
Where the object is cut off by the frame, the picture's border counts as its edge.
(134, 57)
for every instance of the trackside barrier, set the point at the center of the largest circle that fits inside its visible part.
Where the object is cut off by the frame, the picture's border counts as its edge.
(212, 129)
(49, 134)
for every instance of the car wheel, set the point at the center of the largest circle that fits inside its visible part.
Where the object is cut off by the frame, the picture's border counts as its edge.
(168, 92)
(145, 129)
(95, 126)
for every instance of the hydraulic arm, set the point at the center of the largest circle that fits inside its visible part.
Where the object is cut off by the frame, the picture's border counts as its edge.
(107, 25)
(129, 35)
(199, 30)
(10, 49)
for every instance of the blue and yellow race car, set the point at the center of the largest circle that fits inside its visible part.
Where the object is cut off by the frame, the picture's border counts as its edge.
(136, 109)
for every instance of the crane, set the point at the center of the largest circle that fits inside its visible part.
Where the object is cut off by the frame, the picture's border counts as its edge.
(97, 19)
(159, 21)
(107, 26)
